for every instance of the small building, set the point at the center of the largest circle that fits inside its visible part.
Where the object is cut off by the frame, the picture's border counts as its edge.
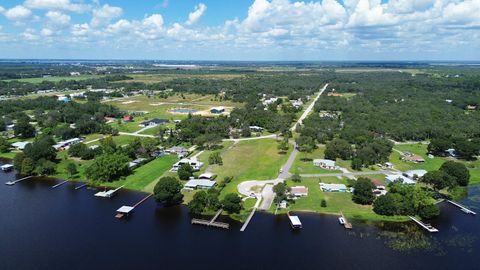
(217, 110)
(299, 191)
(333, 187)
(255, 128)
(413, 174)
(451, 152)
(269, 101)
(127, 118)
(20, 145)
(325, 164)
(297, 103)
(388, 165)
(134, 163)
(295, 222)
(195, 164)
(199, 183)
(63, 99)
(6, 167)
(124, 211)
(413, 158)
(334, 94)
(153, 122)
(177, 150)
(67, 143)
(399, 178)
(471, 107)
(207, 175)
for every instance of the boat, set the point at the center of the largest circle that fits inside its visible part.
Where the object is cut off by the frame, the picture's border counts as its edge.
(341, 220)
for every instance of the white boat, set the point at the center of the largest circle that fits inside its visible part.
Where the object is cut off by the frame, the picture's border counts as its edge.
(341, 220)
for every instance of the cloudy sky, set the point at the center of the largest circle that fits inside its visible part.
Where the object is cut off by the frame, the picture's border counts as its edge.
(241, 29)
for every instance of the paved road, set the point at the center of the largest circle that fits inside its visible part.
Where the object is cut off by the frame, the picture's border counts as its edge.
(347, 174)
(252, 138)
(309, 108)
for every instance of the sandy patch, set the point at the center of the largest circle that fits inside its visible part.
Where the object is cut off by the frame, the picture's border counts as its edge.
(129, 102)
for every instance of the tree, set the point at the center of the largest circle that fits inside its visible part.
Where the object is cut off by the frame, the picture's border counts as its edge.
(283, 146)
(71, 169)
(458, 171)
(17, 161)
(23, 129)
(45, 167)
(429, 211)
(199, 202)
(108, 167)
(323, 203)
(296, 177)
(185, 171)
(363, 191)
(280, 190)
(28, 166)
(438, 179)
(215, 158)
(168, 191)
(387, 204)
(438, 146)
(4, 145)
(41, 148)
(232, 203)
(338, 148)
(466, 149)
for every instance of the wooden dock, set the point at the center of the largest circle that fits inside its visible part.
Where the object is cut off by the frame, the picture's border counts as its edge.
(347, 224)
(426, 226)
(212, 222)
(59, 184)
(81, 186)
(107, 193)
(11, 183)
(463, 208)
(244, 226)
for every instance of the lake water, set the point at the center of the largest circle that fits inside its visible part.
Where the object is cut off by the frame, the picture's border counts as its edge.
(64, 228)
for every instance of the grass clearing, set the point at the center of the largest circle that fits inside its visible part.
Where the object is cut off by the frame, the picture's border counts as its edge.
(336, 202)
(303, 163)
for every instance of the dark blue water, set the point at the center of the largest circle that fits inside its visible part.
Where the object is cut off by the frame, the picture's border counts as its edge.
(63, 228)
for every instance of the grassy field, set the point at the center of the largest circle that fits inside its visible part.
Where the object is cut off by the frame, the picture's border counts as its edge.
(144, 175)
(64, 160)
(430, 164)
(250, 160)
(306, 166)
(8, 155)
(336, 202)
(59, 78)
(156, 78)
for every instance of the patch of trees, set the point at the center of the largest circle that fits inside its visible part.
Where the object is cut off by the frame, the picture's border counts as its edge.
(280, 190)
(254, 115)
(215, 158)
(204, 201)
(4, 145)
(168, 191)
(203, 131)
(363, 191)
(232, 203)
(38, 157)
(464, 148)
(108, 167)
(406, 200)
(450, 175)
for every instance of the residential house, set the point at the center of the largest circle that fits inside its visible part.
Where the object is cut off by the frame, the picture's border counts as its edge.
(127, 118)
(217, 110)
(177, 150)
(199, 183)
(325, 164)
(195, 164)
(207, 175)
(299, 191)
(333, 187)
(399, 178)
(20, 145)
(135, 163)
(413, 158)
(415, 174)
(297, 103)
(153, 122)
(67, 143)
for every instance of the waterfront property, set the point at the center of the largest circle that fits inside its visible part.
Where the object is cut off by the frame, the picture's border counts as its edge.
(325, 164)
(333, 187)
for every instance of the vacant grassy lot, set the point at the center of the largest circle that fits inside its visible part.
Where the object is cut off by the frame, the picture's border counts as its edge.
(430, 164)
(303, 163)
(250, 160)
(336, 201)
(155, 78)
(144, 175)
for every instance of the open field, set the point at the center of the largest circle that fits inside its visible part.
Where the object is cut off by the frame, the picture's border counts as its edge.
(57, 79)
(430, 164)
(250, 160)
(336, 202)
(142, 176)
(302, 166)
(156, 78)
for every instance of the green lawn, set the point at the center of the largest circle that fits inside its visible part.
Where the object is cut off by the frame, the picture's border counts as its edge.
(144, 175)
(430, 164)
(9, 155)
(62, 156)
(250, 160)
(336, 201)
(306, 166)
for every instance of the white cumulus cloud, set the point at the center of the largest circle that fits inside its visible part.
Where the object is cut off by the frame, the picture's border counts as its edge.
(18, 13)
(105, 14)
(57, 18)
(66, 5)
(195, 15)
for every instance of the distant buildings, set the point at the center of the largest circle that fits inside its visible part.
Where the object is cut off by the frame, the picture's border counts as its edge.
(217, 110)
(177, 150)
(195, 164)
(412, 158)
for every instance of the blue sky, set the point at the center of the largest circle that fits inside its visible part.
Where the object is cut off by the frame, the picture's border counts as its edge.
(241, 29)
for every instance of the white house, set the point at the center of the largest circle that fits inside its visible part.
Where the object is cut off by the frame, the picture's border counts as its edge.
(207, 175)
(333, 187)
(217, 110)
(299, 191)
(269, 101)
(199, 183)
(196, 165)
(297, 103)
(398, 177)
(20, 145)
(66, 144)
(412, 173)
(325, 163)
